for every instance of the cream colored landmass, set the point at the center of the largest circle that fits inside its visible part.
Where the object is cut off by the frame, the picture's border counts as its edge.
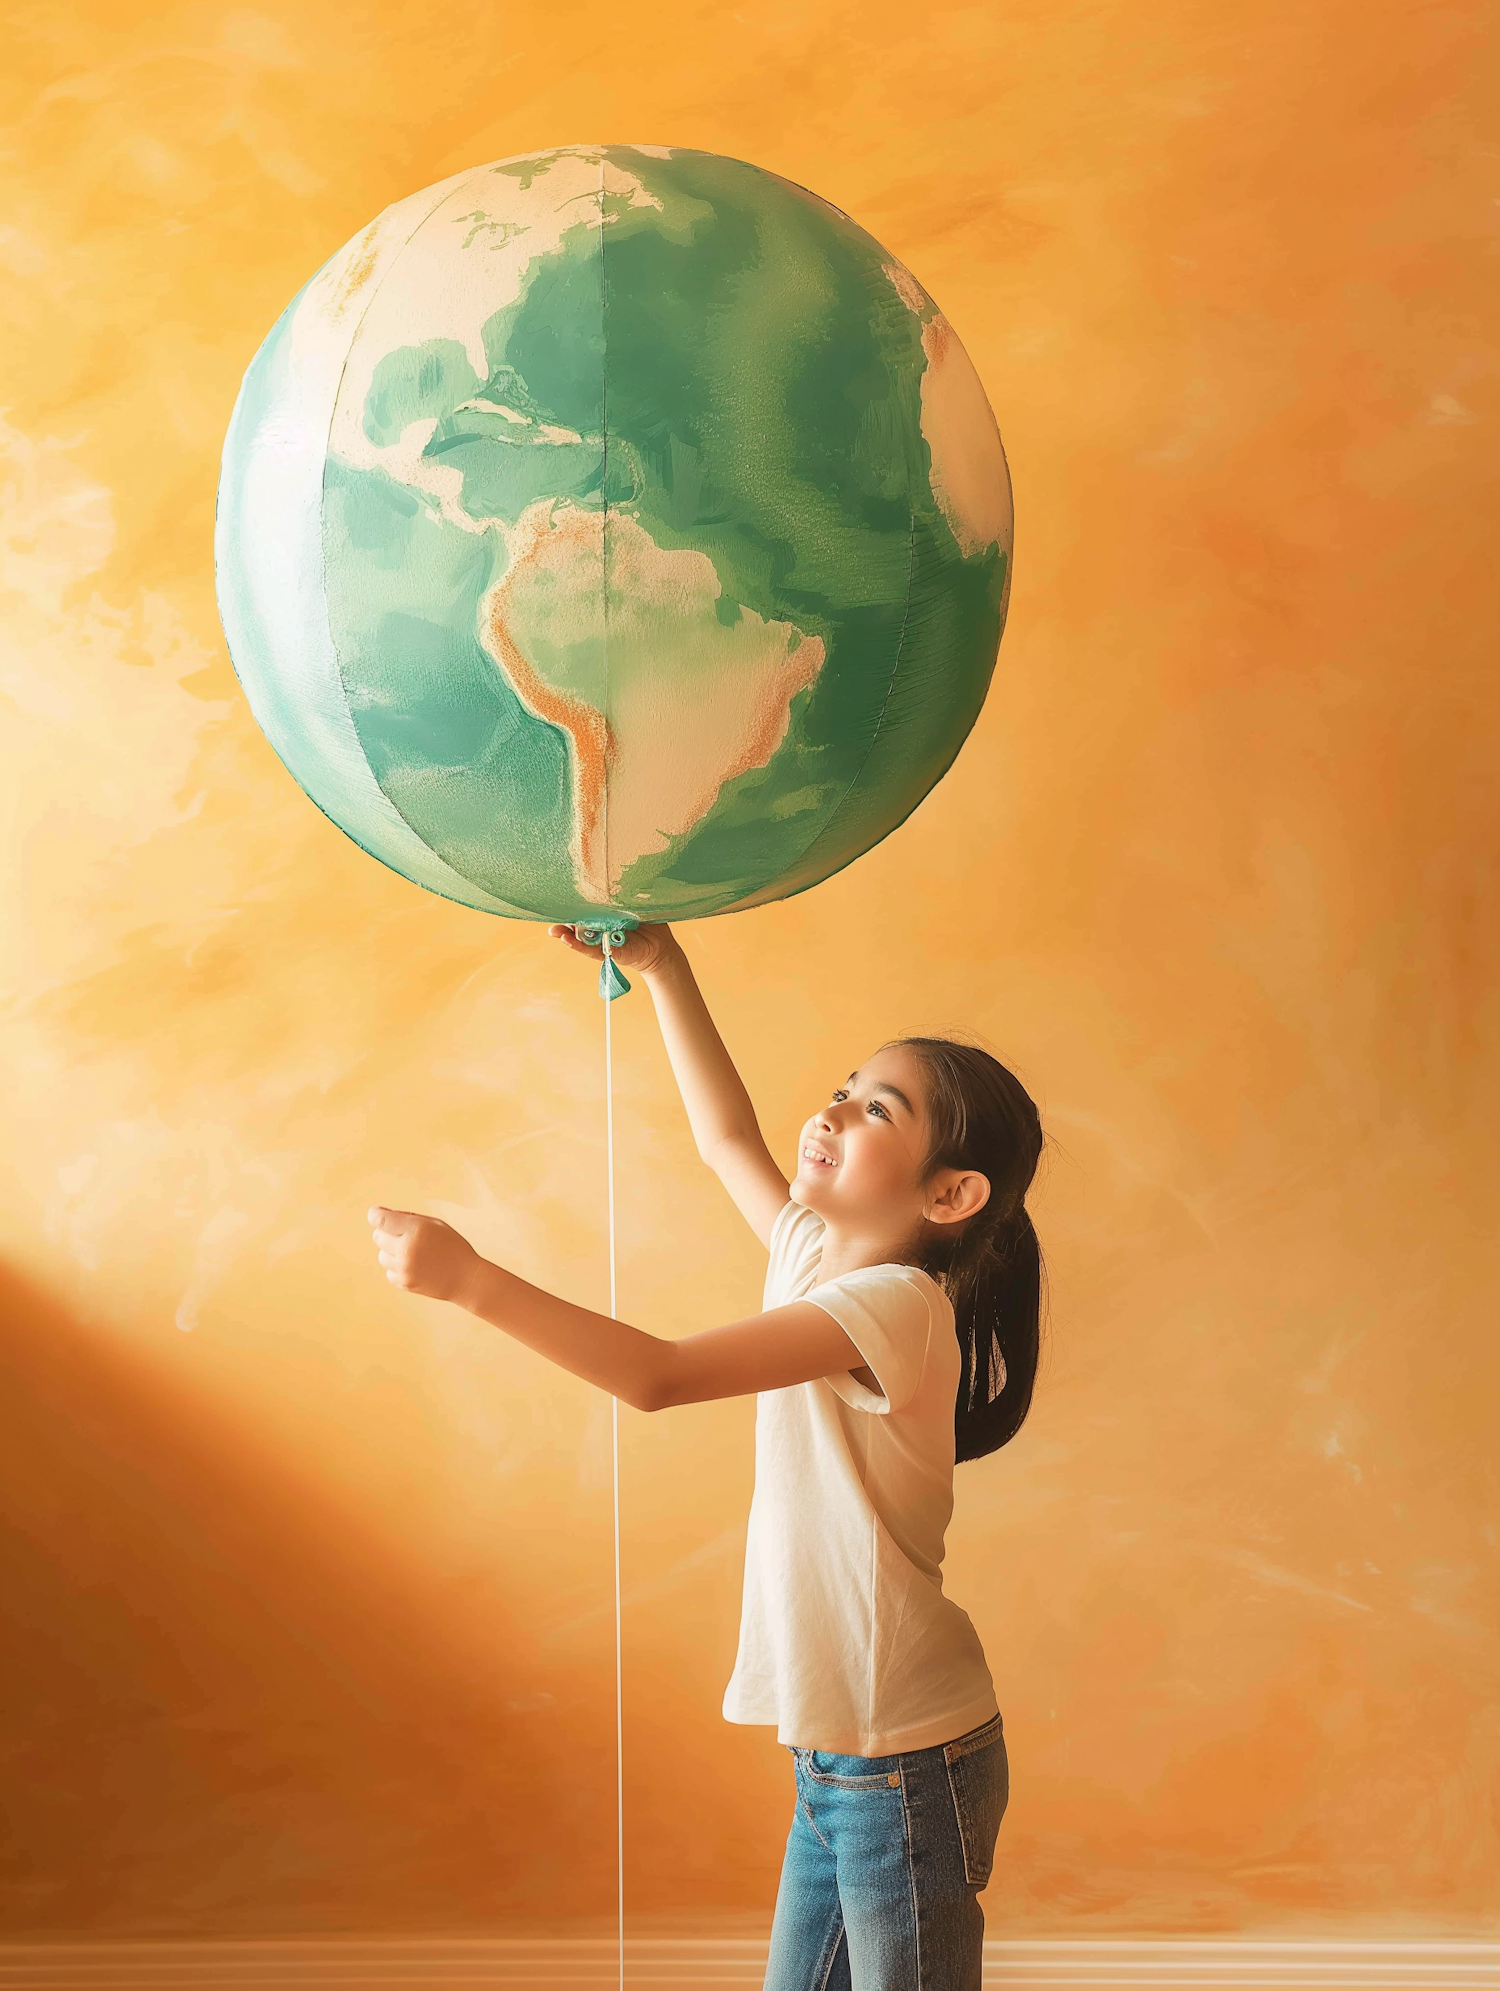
(909, 290)
(323, 317)
(661, 702)
(969, 478)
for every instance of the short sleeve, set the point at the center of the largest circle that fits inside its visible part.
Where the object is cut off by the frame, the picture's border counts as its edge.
(796, 1245)
(885, 1313)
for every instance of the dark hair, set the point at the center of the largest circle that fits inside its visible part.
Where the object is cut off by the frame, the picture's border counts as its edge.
(982, 1117)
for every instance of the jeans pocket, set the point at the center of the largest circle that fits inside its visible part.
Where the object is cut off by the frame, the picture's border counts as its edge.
(979, 1779)
(881, 1780)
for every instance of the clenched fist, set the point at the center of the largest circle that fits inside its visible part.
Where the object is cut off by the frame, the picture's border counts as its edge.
(424, 1255)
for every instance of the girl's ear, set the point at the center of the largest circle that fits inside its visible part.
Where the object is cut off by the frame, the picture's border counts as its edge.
(956, 1194)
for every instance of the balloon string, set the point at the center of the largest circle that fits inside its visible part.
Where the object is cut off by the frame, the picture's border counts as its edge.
(614, 1459)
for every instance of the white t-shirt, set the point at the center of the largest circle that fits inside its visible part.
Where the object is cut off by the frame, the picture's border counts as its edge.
(847, 1642)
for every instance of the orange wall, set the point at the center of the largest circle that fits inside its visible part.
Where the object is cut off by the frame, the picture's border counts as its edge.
(311, 1581)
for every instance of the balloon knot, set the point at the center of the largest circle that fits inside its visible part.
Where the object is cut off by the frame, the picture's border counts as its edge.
(611, 982)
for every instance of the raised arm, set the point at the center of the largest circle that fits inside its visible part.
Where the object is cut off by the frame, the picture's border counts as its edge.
(718, 1107)
(769, 1351)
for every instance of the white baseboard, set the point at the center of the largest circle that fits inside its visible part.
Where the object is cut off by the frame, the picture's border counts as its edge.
(429, 1964)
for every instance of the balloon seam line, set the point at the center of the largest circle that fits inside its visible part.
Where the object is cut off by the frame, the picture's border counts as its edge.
(368, 307)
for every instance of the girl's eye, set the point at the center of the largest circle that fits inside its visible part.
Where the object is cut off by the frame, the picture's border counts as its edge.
(878, 1110)
(839, 1095)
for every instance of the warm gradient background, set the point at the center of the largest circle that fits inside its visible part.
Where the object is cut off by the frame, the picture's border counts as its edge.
(309, 1601)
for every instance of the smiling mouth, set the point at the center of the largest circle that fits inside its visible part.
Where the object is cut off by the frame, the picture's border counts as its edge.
(817, 1157)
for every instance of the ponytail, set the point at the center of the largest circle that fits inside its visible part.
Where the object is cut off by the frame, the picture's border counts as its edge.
(982, 1118)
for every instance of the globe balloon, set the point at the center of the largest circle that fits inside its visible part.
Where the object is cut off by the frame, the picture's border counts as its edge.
(614, 534)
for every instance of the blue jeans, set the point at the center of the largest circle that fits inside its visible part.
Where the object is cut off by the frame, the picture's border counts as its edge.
(884, 1863)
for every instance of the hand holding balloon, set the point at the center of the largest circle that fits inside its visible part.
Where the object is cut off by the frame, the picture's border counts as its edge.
(423, 1254)
(643, 950)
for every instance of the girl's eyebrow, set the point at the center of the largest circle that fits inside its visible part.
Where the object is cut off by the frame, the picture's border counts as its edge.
(894, 1090)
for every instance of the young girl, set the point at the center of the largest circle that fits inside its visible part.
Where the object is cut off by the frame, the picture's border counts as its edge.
(899, 1332)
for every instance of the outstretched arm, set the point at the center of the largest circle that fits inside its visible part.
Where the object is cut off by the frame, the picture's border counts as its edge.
(718, 1107)
(769, 1351)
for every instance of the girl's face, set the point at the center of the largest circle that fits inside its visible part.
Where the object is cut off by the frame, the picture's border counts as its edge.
(860, 1158)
